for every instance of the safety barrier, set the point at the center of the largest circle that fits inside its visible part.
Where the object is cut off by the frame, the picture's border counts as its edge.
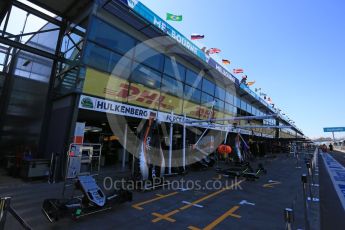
(308, 180)
(5, 207)
(340, 148)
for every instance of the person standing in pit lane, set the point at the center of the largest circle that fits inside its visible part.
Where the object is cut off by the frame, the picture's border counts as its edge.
(330, 147)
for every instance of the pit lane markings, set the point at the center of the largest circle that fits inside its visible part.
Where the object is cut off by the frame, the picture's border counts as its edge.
(271, 184)
(167, 216)
(212, 225)
(159, 197)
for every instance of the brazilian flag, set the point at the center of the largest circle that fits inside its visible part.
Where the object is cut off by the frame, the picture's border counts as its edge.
(173, 17)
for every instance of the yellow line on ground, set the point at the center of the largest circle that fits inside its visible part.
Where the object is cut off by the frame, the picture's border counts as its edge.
(159, 197)
(220, 219)
(165, 216)
(223, 217)
(168, 215)
(193, 228)
(210, 195)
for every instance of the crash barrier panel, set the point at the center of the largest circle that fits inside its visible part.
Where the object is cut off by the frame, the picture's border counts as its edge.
(340, 148)
(308, 180)
(5, 207)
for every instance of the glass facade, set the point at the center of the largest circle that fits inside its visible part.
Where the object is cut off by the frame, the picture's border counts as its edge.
(152, 79)
(27, 95)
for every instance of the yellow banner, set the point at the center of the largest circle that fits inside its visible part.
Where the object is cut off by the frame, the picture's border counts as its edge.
(218, 115)
(150, 98)
(105, 85)
(114, 88)
(117, 89)
(191, 109)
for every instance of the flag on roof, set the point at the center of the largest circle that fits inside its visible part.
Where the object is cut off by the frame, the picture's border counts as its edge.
(214, 50)
(225, 61)
(203, 49)
(235, 71)
(197, 36)
(250, 83)
(173, 17)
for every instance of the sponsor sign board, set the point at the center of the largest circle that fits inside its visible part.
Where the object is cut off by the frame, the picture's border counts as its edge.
(334, 129)
(114, 88)
(112, 94)
(118, 108)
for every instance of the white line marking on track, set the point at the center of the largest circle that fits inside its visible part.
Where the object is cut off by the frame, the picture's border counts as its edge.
(195, 205)
(243, 202)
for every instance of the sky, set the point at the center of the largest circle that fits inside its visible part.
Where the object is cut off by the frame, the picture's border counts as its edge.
(294, 50)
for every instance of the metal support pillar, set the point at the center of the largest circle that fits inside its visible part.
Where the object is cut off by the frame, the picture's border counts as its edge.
(170, 143)
(305, 202)
(276, 134)
(124, 153)
(49, 103)
(184, 145)
(6, 20)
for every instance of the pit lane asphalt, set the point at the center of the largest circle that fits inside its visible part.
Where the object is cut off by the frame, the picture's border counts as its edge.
(221, 211)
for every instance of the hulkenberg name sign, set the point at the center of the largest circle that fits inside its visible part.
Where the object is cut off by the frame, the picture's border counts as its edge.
(112, 107)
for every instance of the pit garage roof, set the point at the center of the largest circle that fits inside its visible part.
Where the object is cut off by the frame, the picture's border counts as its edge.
(63, 8)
